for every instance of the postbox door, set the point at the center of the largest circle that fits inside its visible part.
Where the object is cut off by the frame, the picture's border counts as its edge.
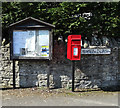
(76, 52)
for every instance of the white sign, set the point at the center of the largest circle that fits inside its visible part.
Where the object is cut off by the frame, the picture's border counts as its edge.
(43, 37)
(96, 51)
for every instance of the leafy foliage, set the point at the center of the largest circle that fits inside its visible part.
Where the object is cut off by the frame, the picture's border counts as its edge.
(87, 19)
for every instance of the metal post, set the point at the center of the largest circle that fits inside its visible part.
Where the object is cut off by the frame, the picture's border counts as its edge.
(73, 68)
(14, 86)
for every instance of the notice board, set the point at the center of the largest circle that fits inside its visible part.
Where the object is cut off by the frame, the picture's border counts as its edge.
(31, 38)
(31, 43)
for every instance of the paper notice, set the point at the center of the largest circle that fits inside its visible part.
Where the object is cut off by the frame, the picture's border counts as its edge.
(23, 39)
(45, 51)
(43, 37)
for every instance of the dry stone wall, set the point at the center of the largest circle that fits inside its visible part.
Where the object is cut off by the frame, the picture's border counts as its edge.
(98, 71)
(92, 71)
(6, 68)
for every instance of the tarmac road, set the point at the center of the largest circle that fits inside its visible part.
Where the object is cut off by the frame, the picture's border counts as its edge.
(58, 97)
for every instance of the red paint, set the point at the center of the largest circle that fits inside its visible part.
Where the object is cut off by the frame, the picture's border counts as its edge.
(74, 47)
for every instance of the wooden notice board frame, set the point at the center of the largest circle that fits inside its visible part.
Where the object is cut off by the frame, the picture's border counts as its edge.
(31, 24)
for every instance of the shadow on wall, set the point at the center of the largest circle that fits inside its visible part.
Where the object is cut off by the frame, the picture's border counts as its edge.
(34, 73)
(98, 71)
(91, 72)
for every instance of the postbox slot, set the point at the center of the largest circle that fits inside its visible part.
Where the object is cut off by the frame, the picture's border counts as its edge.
(75, 39)
(75, 42)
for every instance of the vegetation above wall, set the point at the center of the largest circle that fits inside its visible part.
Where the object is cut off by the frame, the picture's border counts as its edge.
(87, 19)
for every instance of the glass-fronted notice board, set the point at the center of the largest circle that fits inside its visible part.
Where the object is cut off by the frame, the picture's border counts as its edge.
(31, 43)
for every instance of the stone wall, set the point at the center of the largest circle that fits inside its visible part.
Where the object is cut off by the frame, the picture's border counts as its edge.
(6, 68)
(98, 71)
(92, 71)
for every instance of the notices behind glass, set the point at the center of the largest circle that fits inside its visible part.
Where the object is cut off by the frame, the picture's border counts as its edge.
(24, 43)
(44, 43)
(31, 43)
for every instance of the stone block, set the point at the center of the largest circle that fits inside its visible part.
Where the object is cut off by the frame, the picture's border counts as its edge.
(28, 80)
(42, 77)
(64, 84)
(42, 83)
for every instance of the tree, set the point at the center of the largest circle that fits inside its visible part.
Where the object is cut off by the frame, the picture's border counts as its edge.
(68, 17)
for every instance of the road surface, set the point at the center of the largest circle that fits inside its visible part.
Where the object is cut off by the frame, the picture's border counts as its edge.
(57, 97)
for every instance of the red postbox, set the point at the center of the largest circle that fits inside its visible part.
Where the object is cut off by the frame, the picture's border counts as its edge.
(74, 47)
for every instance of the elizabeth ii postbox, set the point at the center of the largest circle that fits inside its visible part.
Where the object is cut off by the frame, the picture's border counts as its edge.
(74, 47)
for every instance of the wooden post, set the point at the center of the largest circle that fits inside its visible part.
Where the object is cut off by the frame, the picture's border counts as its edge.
(14, 85)
(48, 75)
